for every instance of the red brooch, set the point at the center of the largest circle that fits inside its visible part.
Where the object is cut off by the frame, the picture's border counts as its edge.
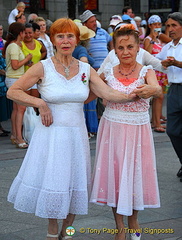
(83, 78)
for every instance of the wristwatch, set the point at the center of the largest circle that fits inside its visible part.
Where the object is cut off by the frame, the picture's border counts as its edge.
(152, 42)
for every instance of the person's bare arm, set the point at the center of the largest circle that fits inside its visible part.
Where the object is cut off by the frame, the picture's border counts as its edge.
(164, 38)
(148, 45)
(16, 64)
(2, 72)
(111, 46)
(17, 93)
(43, 51)
(151, 88)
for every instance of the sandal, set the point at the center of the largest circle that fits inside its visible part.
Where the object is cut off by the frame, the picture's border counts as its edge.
(13, 140)
(159, 129)
(163, 118)
(22, 145)
(66, 237)
(163, 121)
(52, 235)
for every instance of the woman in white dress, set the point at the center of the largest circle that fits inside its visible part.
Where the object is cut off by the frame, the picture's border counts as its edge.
(54, 178)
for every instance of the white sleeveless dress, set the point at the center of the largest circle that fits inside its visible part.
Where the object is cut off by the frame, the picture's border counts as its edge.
(54, 177)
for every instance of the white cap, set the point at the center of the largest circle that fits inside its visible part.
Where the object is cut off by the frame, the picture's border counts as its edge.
(86, 15)
(114, 22)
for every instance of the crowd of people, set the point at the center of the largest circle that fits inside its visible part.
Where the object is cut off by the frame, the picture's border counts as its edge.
(81, 80)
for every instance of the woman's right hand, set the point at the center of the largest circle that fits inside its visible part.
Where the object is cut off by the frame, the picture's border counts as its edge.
(46, 115)
(29, 57)
(132, 97)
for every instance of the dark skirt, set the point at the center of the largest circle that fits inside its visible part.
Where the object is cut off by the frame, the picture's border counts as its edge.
(6, 107)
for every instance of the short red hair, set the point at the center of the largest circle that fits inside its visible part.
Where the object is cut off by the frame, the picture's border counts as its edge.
(64, 25)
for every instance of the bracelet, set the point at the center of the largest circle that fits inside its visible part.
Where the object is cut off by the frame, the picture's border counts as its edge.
(152, 42)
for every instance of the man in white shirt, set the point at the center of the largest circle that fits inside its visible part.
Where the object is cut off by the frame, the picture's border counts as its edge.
(171, 55)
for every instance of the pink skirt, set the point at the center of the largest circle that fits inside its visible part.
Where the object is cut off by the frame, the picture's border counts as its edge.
(125, 170)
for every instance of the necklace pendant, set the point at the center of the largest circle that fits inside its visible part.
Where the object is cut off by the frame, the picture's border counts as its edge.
(67, 71)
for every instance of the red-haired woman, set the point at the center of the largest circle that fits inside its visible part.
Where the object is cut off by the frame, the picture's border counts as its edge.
(55, 174)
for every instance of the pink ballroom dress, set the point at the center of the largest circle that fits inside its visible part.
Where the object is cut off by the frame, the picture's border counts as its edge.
(125, 174)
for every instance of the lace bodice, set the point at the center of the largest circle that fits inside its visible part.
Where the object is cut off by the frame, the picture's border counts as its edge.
(130, 111)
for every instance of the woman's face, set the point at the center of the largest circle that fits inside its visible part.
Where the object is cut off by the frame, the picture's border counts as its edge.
(65, 43)
(138, 23)
(21, 9)
(37, 33)
(154, 27)
(42, 25)
(28, 35)
(1, 30)
(126, 49)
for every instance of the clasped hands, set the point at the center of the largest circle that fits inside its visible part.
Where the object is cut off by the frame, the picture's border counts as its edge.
(170, 61)
(143, 91)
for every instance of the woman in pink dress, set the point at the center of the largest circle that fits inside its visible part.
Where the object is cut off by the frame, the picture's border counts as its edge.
(125, 175)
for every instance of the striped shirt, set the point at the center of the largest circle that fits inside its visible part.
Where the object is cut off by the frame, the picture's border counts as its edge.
(98, 46)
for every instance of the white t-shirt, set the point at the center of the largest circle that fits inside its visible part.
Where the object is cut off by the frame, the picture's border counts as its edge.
(174, 73)
(12, 16)
(143, 57)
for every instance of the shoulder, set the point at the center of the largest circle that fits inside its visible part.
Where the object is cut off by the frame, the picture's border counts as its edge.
(23, 44)
(103, 32)
(47, 37)
(46, 62)
(14, 11)
(37, 70)
(146, 70)
(84, 64)
(13, 46)
(38, 43)
(148, 38)
(80, 48)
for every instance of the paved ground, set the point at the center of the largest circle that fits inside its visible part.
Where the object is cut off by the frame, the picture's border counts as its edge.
(164, 223)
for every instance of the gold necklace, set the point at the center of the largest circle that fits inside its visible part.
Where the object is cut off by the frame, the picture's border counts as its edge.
(126, 75)
(66, 68)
